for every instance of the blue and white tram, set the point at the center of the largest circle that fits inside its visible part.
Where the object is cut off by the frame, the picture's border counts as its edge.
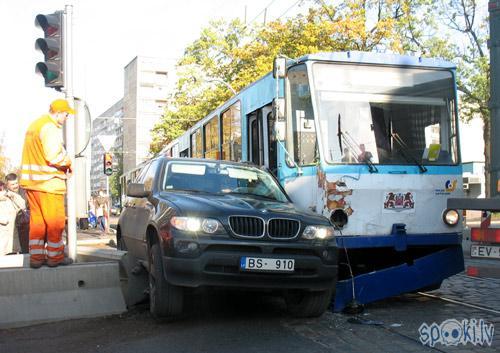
(370, 141)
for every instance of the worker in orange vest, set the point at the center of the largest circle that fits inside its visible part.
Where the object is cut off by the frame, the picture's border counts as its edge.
(44, 170)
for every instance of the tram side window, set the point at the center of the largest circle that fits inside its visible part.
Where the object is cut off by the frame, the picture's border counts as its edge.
(231, 133)
(211, 130)
(304, 131)
(196, 146)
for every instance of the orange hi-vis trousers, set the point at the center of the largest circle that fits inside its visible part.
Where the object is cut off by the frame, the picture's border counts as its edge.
(47, 222)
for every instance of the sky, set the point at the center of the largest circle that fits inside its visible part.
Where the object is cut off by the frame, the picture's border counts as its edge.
(108, 34)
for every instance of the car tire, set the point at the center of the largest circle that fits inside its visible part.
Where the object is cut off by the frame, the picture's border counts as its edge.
(301, 303)
(165, 300)
(120, 243)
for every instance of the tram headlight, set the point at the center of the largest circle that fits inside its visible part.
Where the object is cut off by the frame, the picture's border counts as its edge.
(318, 232)
(451, 217)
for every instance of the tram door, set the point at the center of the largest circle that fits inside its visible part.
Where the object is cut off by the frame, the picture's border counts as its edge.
(262, 142)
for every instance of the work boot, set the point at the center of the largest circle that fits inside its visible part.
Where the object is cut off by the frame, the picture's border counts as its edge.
(36, 264)
(66, 261)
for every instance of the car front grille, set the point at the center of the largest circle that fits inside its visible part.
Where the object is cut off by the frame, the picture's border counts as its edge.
(244, 226)
(282, 228)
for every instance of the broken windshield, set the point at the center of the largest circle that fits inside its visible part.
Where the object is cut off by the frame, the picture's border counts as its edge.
(377, 104)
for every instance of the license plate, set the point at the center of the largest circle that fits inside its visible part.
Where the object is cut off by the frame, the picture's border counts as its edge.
(266, 264)
(485, 251)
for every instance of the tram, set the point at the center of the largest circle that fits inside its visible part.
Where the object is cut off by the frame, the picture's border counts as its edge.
(370, 141)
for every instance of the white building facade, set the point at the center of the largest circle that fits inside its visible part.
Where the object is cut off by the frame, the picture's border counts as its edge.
(147, 86)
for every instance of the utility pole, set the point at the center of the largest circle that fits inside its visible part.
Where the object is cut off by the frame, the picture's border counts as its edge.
(70, 128)
(494, 45)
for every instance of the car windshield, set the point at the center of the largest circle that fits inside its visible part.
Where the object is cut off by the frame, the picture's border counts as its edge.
(221, 178)
(386, 115)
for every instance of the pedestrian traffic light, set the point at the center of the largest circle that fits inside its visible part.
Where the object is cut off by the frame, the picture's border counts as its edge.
(52, 46)
(108, 164)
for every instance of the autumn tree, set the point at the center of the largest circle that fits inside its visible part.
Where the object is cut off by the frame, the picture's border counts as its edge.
(238, 54)
(458, 31)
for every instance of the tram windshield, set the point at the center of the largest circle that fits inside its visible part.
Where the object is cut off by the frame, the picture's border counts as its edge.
(385, 115)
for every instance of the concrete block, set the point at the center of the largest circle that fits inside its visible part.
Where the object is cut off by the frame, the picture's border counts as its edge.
(82, 290)
(19, 260)
(134, 283)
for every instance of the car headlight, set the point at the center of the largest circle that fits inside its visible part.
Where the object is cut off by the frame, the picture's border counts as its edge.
(195, 224)
(318, 232)
(451, 217)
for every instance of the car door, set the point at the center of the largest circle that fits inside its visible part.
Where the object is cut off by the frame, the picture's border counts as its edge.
(144, 211)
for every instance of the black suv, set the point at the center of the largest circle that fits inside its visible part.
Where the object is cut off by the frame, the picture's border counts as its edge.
(198, 222)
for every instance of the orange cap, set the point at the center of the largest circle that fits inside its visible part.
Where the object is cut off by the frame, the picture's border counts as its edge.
(61, 105)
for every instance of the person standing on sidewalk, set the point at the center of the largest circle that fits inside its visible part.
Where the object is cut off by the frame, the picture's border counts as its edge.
(44, 170)
(23, 216)
(9, 201)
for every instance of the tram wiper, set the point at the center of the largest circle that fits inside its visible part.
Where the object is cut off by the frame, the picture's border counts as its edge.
(405, 151)
(339, 133)
(353, 146)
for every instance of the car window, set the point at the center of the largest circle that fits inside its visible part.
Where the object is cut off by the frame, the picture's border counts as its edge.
(150, 175)
(221, 178)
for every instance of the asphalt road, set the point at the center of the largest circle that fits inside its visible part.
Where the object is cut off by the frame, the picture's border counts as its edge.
(234, 322)
(213, 322)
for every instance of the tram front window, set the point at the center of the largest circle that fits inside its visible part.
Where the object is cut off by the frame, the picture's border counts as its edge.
(385, 115)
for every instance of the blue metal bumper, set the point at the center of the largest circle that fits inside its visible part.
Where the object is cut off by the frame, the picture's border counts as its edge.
(404, 278)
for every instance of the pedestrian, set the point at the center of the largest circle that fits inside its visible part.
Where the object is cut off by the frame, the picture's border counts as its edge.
(23, 216)
(9, 242)
(101, 210)
(44, 170)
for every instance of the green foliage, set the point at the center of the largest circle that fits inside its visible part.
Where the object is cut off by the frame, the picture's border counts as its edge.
(238, 54)
(114, 179)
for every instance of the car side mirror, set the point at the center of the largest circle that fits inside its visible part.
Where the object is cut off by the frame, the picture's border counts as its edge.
(137, 190)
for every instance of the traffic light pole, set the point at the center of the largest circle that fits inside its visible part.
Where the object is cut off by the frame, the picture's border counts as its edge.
(70, 129)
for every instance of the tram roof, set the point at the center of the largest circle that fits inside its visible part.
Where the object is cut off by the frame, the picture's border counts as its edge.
(361, 57)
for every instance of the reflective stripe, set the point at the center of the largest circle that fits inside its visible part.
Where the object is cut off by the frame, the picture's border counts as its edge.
(55, 245)
(39, 168)
(59, 158)
(37, 242)
(54, 253)
(45, 177)
(37, 252)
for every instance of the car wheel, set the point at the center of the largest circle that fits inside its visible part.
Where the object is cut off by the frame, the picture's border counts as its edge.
(120, 244)
(165, 300)
(301, 303)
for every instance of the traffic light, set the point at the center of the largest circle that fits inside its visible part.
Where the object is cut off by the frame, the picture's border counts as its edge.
(108, 164)
(52, 46)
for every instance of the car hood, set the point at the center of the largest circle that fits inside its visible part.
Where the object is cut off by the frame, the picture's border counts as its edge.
(210, 205)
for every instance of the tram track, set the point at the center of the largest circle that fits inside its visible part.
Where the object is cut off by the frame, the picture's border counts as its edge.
(459, 302)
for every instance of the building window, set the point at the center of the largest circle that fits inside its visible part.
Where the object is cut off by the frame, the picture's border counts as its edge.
(212, 139)
(196, 146)
(231, 133)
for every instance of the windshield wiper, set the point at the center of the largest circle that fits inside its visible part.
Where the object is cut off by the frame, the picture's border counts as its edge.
(349, 143)
(405, 151)
(339, 133)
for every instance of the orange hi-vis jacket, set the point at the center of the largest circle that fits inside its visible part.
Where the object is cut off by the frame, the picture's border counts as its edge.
(44, 161)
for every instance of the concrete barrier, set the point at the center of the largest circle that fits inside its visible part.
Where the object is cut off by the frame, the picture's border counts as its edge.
(18, 260)
(133, 279)
(81, 290)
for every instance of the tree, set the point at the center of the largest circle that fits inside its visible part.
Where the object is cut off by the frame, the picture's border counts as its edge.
(459, 35)
(114, 180)
(238, 54)
(4, 161)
